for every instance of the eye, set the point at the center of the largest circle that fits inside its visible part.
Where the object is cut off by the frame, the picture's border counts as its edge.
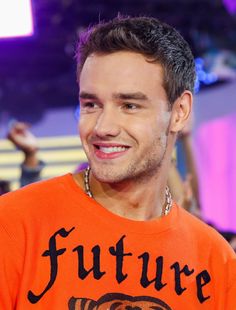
(131, 106)
(88, 106)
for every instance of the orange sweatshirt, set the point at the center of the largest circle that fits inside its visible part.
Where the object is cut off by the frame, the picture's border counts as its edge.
(60, 249)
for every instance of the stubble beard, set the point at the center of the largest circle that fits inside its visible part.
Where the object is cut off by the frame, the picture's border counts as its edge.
(139, 170)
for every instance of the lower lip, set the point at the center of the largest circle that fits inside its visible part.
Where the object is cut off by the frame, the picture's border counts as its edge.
(101, 155)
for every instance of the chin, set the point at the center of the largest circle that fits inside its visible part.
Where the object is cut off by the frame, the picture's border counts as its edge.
(108, 178)
(108, 175)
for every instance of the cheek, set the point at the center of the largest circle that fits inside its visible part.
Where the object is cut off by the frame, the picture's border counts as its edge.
(149, 131)
(139, 129)
(85, 127)
(155, 136)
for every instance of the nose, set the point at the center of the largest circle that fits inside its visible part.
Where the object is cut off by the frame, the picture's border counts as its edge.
(107, 123)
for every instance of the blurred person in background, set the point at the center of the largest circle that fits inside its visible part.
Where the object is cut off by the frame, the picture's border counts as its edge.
(111, 236)
(4, 187)
(185, 190)
(23, 139)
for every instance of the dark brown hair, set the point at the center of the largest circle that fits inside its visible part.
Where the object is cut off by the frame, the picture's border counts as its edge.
(157, 41)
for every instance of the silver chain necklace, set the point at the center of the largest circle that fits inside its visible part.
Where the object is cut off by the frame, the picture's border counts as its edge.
(166, 209)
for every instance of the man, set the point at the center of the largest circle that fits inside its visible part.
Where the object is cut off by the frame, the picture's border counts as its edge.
(111, 238)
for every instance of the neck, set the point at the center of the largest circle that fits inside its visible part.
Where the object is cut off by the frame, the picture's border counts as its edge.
(131, 199)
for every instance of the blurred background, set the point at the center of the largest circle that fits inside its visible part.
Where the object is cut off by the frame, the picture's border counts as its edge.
(38, 85)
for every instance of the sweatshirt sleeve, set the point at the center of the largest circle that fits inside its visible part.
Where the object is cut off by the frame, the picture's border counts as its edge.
(9, 271)
(231, 290)
(31, 175)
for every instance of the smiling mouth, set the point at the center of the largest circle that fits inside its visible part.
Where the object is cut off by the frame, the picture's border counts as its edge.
(111, 149)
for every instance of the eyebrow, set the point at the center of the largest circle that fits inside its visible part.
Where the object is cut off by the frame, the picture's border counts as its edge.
(130, 96)
(122, 96)
(84, 95)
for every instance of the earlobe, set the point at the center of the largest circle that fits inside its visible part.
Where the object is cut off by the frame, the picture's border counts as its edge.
(181, 111)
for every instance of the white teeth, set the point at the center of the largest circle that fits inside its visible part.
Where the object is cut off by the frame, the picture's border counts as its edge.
(112, 149)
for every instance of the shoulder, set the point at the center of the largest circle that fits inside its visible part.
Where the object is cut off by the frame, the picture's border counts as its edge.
(33, 189)
(204, 236)
(193, 223)
(34, 197)
(46, 202)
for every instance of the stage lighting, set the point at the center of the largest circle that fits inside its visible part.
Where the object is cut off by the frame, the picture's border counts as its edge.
(230, 6)
(16, 18)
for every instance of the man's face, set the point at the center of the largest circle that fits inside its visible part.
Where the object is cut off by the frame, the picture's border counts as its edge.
(124, 116)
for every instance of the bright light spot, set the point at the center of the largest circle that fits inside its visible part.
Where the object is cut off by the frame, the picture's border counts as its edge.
(203, 77)
(15, 18)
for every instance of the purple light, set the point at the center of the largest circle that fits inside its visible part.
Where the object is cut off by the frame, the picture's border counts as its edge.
(230, 6)
(215, 151)
(15, 18)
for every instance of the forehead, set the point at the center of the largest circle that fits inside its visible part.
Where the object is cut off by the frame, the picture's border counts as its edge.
(121, 70)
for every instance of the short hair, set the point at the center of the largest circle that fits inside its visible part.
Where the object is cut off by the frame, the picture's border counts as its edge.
(157, 41)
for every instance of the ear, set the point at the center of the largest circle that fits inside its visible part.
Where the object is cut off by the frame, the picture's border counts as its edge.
(181, 111)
